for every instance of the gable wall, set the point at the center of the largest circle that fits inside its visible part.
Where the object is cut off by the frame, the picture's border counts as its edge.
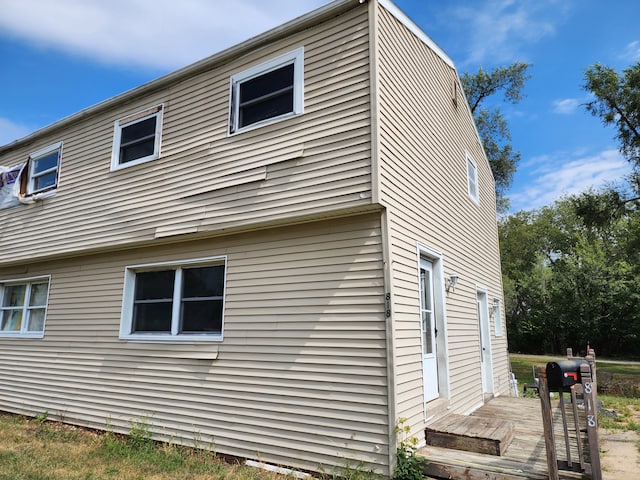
(206, 181)
(423, 184)
(300, 378)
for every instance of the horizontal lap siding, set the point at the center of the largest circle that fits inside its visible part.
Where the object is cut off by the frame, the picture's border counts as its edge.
(206, 181)
(299, 379)
(424, 137)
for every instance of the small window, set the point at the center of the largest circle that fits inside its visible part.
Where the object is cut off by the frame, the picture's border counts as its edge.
(174, 301)
(497, 317)
(43, 169)
(472, 175)
(23, 307)
(268, 92)
(136, 138)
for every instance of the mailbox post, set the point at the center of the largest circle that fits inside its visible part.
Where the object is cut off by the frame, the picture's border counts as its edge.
(591, 410)
(547, 424)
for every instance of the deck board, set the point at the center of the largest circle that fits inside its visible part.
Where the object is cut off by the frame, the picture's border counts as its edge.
(524, 458)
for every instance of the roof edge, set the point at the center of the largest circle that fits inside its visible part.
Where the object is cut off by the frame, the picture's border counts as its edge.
(306, 20)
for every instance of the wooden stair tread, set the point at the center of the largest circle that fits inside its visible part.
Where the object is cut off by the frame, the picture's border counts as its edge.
(474, 434)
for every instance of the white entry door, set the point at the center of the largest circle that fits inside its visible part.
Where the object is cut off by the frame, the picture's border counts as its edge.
(429, 332)
(486, 363)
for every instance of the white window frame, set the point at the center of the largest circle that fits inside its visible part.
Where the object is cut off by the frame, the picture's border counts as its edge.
(497, 319)
(29, 282)
(472, 179)
(122, 123)
(33, 159)
(295, 57)
(126, 322)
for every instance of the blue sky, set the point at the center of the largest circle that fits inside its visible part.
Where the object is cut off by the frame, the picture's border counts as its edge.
(57, 58)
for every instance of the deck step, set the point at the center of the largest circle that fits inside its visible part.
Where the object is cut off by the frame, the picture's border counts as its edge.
(490, 436)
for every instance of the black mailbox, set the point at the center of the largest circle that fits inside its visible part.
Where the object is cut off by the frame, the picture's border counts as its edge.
(564, 373)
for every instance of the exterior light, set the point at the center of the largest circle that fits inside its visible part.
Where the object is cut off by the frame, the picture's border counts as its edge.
(452, 281)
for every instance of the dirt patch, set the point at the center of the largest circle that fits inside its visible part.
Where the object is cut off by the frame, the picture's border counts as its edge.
(620, 457)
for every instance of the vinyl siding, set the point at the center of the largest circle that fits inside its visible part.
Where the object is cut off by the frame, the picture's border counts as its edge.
(205, 181)
(300, 378)
(423, 184)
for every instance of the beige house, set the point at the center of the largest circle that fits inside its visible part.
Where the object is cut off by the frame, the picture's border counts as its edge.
(260, 250)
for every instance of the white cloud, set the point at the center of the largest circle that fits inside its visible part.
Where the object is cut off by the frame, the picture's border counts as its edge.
(497, 30)
(10, 131)
(553, 176)
(632, 51)
(164, 34)
(565, 106)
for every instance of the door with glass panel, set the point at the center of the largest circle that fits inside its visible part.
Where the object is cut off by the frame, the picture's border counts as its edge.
(429, 332)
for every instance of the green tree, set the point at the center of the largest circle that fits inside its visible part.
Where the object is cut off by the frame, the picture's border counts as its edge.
(617, 102)
(492, 127)
(571, 276)
(525, 279)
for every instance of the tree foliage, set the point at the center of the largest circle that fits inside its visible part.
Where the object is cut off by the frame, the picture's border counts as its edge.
(572, 276)
(617, 102)
(492, 127)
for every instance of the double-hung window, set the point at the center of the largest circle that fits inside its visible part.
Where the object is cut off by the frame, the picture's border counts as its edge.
(43, 169)
(174, 301)
(268, 92)
(23, 307)
(136, 138)
(472, 178)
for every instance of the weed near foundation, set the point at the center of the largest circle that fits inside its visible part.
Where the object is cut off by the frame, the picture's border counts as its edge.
(410, 465)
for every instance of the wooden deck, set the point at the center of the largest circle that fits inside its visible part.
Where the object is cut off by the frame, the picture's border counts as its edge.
(525, 458)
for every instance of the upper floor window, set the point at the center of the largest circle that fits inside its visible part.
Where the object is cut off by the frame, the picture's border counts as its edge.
(472, 177)
(43, 169)
(23, 307)
(267, 92)
(136, 138)
(181, 301)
